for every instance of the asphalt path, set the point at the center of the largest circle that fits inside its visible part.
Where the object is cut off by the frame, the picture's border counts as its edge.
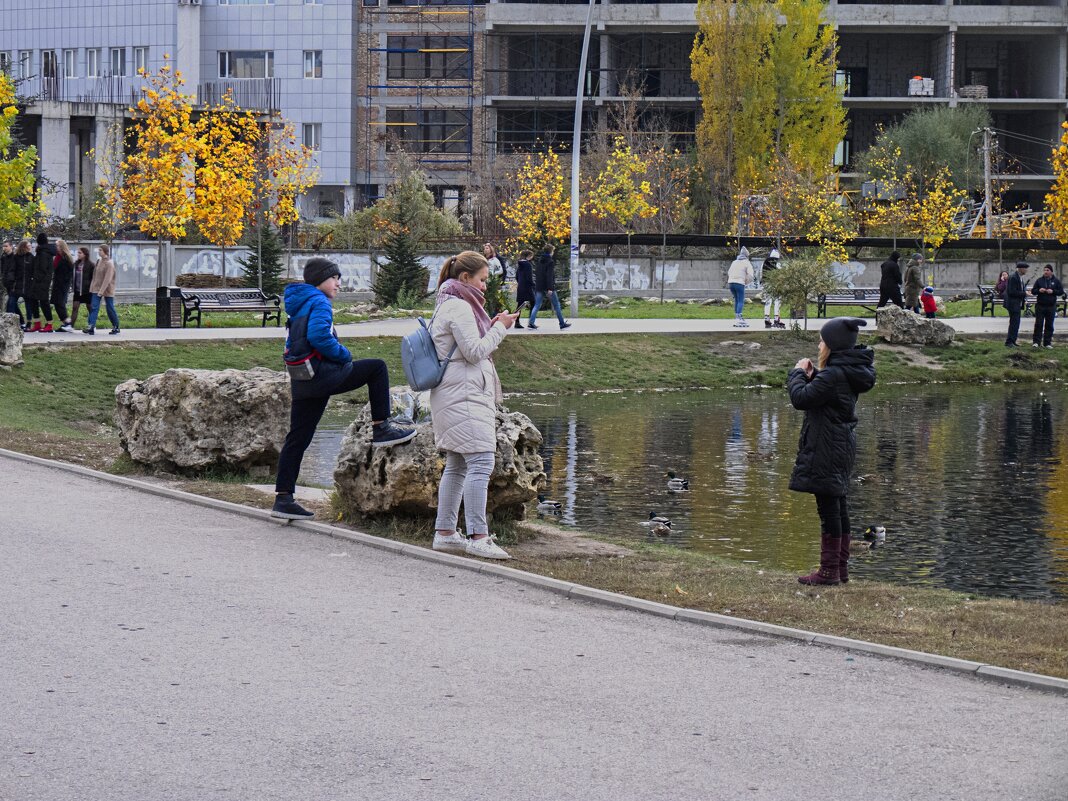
(154, 649)
(547, 327)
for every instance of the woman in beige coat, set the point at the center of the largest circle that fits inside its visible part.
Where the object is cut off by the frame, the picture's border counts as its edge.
(464, 405)
(103, 286)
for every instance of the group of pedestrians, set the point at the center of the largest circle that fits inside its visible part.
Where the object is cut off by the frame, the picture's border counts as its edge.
(535, 282)
(1046, 291)
(45, 278)
(740, 274)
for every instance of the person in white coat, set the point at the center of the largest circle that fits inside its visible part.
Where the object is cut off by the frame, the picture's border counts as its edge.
(463, 406)
(739, 274)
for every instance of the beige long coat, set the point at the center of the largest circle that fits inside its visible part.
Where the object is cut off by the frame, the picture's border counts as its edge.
(104, 279)
(463, 405)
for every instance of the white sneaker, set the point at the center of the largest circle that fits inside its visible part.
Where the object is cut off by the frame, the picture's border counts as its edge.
(486, 548)
(66, 328)
(455, 542)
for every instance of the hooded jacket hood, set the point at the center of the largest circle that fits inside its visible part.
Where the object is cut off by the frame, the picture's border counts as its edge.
(299, 298)
(858, 364)
(306, 300)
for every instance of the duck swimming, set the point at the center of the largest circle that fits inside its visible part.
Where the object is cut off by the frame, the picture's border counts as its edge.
(676, 484)
(547, 505)
(656, 520)
(875, 533)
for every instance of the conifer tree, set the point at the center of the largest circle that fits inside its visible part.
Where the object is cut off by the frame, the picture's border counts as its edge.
(402, 279)
(270, 265)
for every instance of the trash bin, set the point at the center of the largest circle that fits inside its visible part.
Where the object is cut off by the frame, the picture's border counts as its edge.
(168, 307)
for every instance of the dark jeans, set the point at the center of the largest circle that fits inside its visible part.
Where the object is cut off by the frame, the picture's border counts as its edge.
(1044, 324)
(94, 311)
(60, 302)
(554, 299)
(13, 307)
(305, 414)
(891, 295)
(834, 515)
(38, 308)
(1014, 326)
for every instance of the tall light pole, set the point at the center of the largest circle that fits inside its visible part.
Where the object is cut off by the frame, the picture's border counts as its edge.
(576, 147)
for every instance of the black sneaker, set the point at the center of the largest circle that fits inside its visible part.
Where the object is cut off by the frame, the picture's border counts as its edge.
(388, 434)
(286, 508)
(89, 331)
(565, 325)
(114, 331)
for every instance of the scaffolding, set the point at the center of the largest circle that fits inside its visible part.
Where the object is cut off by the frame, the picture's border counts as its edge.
(420, 89)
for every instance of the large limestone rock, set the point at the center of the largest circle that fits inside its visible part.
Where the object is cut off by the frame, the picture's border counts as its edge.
(194, 419)
(10, 340)
(404, 479)
(902, 327)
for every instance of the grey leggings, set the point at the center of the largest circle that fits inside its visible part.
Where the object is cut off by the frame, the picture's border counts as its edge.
(466, 477)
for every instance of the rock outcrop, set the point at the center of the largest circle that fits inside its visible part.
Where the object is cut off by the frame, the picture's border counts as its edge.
(10, 340)
(195, 419)
(403, 480)
(902, 327)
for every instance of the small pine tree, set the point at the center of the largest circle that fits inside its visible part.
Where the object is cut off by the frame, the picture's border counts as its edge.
(496, 299)
(402, 272)
(272, 268)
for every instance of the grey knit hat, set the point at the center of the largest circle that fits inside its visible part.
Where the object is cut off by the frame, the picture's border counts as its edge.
(841, 332)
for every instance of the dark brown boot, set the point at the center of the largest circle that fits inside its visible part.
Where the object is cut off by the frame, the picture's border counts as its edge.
(843, 560)
(830, 549)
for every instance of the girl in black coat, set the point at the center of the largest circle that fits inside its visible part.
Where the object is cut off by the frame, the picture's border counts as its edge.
(62, 275)
(82, 280)
(524, 280)
(40, 285)
(828, 445)
(23, 271)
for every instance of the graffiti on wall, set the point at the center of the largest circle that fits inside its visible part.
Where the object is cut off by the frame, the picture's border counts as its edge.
(208, 261)
(356, 274)
(135, 265)
(612, 274)
(852, 274)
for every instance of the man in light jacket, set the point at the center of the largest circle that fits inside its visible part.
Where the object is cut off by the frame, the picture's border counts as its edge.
(739, 274)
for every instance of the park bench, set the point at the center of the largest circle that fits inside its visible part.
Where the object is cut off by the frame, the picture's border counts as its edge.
(990, 300)
(864, 296)
(197, 301)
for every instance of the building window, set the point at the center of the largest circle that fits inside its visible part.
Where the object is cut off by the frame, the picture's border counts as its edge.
(118, 61)
(441, 57)
(430, 130)
(242, 64)
(140, 60)
(92, 63)
(25, 63)
(313, 135)
(70, 63)
(854, 81)
(313, 2)
(843, 154)
(313, 63)
(49, 65)
(5, 62)
(246, 2)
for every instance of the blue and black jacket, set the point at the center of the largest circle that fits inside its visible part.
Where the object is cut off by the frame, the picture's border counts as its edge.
(311, 331)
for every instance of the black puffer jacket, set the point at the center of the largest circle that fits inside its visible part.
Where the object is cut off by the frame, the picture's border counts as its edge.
(40, 285)
(828, 445)
(890, 275)
(23, 274)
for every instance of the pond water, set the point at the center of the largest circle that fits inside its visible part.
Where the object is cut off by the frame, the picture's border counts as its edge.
(971, 483)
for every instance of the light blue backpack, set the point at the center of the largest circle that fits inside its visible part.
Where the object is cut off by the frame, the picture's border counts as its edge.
(419, 358)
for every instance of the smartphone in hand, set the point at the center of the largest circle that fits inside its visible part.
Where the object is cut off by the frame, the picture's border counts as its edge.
(524, 305)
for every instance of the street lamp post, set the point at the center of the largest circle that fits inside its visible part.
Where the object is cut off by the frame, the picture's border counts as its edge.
(576, 146)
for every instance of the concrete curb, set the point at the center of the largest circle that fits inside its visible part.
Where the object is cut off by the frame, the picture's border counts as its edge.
(1034, 681)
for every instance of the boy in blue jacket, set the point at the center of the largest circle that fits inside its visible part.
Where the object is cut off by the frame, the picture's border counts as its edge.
(320, 366)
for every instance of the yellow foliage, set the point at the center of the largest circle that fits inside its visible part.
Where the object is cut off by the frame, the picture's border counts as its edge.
(284, 171)
(617, 193)
(540, 212)
(1057, 199)
(20, 202)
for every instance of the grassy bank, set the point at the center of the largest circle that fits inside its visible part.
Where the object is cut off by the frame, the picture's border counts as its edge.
(1017, 634)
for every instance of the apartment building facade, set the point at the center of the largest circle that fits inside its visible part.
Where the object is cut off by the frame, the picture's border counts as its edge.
(464, 84)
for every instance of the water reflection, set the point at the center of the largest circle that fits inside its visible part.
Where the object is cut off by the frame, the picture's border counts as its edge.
(970, 482)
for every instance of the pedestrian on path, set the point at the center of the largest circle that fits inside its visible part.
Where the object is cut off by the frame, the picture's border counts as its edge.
(320, 366)
(23, 277)
(40, 285)
(739, 274)
(771, 263)
(102, 288)
(1046, 290)
(1015, 298)
(545, 285)
(81, 281)
(890, 282)
(463, 406)
(827, 394)
(914, 282)
(62, 275)
(524, 282)
(495, 264)
(11, 274)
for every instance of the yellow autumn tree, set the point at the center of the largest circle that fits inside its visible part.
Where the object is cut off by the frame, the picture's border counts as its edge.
(158, 170)
(107, 158)
(539, 211)
(19, 200)
(620, 192)
(670, 176)
(1057, 199)
(226, 138)
(285, 170)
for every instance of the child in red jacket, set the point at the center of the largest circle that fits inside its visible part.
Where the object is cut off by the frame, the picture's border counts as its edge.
(927, 300)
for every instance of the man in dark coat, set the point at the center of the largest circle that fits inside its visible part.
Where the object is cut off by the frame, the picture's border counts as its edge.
(890, 283)
(1046, 291)
(524, 281)
(545, 284)
(40, 284)
(1015, 298)
(9, 272)
(827, 448)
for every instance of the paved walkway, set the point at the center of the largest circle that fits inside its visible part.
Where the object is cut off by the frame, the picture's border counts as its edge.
(154, 649)
(396, 328)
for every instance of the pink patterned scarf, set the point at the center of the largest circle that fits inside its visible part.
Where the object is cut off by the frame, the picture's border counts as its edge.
(475, 298)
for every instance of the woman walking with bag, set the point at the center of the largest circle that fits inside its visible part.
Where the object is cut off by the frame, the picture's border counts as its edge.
(62, 275)
(827, 394)
(463, 406)
(82, 280)
(103, 286)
